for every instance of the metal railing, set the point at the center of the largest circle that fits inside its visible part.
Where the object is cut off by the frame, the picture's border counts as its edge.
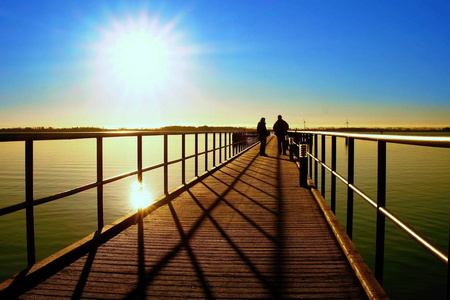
(230, 144)
(311, 139)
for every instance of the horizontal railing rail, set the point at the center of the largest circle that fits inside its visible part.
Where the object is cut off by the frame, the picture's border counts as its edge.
(230, 144)
(311, 139)
(434, 141)
(40, 136)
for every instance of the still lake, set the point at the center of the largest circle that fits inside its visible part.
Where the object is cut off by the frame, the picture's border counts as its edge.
(418, 192)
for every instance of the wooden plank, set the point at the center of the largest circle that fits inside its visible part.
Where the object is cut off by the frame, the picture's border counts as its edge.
(246, 231)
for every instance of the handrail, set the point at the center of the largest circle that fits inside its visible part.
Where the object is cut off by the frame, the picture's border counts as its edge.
(408, 229)
(42, 136)
(433, 141)
(236, 142)
(310, 137)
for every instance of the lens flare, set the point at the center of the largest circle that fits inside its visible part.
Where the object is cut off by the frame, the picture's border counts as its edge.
(140, 197)
(140, 53)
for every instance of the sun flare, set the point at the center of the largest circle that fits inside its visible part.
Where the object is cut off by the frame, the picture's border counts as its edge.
(140, 197)
(139, 53)
(139, 56)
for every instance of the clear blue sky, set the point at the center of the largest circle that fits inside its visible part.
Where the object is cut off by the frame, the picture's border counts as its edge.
(156, 63)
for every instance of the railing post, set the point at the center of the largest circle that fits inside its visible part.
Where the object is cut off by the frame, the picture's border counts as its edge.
(224, 146)
(183, 156)
(381, 202)
(303, 161)
(235, 149)
(239, 143)
(139, 157)
(291, 150)
(323, 168)
(448, 264)
(351, 177)
(29, 198)
(333, 178)
(206, 151)
(310, 141)
(166, 167)
(316, 145)
(196, 154)
(230, 145)
(220, 147)
(214, 149)
(100, 221)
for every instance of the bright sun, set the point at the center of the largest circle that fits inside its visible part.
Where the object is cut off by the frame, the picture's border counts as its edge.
(139, 196)
(139, 53)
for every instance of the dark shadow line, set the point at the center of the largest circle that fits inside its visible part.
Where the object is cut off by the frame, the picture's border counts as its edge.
(244, 216)
(256, 188)
(241, 254)
(265, 164)
(279, 259)
(250, 198)
(262, 166)
(251, 176)
(141, 257)
(280, 158)
(187, 246)
(264, 172)
(148, 277)
(81, 284)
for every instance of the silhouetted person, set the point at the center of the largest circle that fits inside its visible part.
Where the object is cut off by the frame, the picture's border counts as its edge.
(281, 128)
(262, 132)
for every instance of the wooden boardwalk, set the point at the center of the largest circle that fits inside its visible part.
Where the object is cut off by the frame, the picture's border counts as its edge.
(246, 231)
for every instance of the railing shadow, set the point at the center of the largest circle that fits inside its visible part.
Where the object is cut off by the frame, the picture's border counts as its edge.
(84, 275)
(272, 282)
(248, 197)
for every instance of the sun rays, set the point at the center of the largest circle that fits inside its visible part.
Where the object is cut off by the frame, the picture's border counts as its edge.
(138, 54)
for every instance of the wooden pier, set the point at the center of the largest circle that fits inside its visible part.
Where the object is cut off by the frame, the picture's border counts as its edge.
(247, 230)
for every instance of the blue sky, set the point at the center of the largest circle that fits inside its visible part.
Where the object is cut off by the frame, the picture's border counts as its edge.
(375, 63)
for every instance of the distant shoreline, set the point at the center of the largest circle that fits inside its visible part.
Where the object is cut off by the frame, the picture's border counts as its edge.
(97, 129)
(222, 128)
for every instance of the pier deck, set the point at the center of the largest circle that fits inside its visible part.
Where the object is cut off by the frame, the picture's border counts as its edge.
(246, 231)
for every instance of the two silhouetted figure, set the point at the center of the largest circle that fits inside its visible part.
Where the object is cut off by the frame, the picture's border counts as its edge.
(281, 128)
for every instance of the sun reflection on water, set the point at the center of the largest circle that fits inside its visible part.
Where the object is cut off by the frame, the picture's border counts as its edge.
(140, 197)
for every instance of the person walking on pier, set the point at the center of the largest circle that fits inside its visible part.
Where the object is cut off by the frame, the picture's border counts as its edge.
(262, 132)
(281, 128)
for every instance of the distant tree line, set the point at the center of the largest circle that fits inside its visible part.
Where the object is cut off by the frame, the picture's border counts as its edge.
(52, 129)
(93, 129)
(214, 128)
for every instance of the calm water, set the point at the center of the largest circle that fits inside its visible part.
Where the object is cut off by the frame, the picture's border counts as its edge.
(417, 191)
